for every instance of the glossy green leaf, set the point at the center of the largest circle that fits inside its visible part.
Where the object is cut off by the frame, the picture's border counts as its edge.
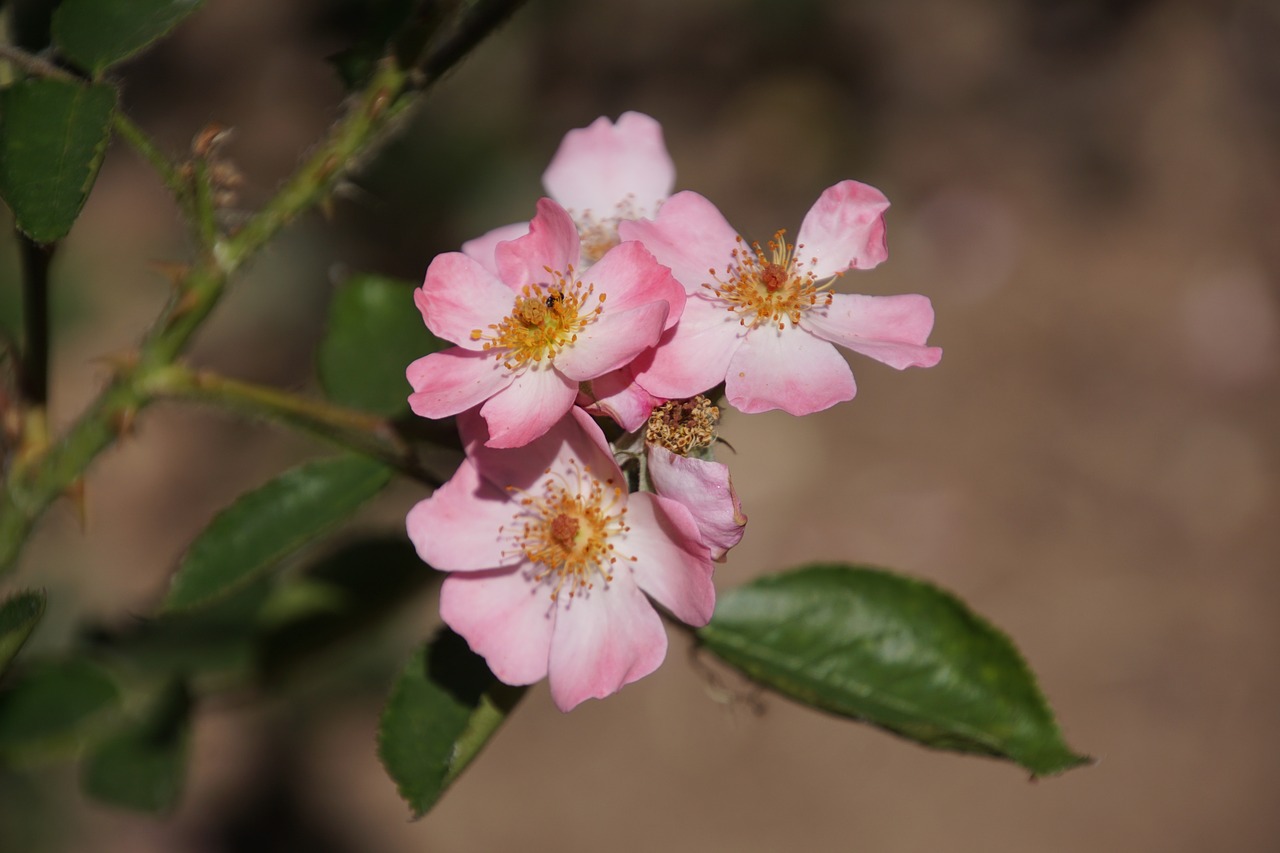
(96, 34)
(443, 709)
(51, 705)
(52, 137)
(18, 617)
(271, 522)
(892, 651)
(142, 766)
(375, 331)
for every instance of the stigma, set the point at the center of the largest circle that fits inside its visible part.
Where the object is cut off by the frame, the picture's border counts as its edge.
(770, 284)
(568, 533)
(545, 318)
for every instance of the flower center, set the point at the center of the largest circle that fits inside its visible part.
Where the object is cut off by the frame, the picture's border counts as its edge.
(769, 284)
(683, 426)
(545, 318)
(569, 532)
(599, 235)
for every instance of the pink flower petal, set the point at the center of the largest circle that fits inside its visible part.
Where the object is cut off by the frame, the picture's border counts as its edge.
(890, 329)
(604, 639)
(505, 618)
(693, 356)
(789, 370)
(528, 407)
(705, 489)
(454, 380)
(612, 341)
(456, 529)
(552, 242)
(689, 235)
(599, 166)
(672, 564)
(617, 395)
(843, 229)
(576, 439)
(458, 296)
(484, 249)
(631, 276)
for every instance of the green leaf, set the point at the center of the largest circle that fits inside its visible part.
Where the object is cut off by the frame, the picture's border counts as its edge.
(444, 708)
(894, 652)
(18, 617)
(52, 138)
(51, 705)
(271, 522)
(375, 331)
(96, 35)
(344, 594)
(142, 766)
(210, 645)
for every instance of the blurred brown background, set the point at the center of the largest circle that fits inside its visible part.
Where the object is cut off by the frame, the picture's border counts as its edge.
(1088, 191)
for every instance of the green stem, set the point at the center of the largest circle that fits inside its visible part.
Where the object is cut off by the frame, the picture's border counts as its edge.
(33, 380)
(169, 173)
(32, 484)
(349, 428)
(36, 66)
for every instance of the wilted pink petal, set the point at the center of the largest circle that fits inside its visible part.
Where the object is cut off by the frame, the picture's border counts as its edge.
(706, 490)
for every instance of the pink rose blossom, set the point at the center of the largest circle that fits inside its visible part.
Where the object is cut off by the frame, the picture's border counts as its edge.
(551, 560)
(602, 174)
(764, 321)
(528, 334)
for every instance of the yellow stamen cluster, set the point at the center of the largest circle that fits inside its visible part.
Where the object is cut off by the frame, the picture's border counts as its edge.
(683, 426)
(567, 531)
(600, 235)
(545, 319)
(769, 285)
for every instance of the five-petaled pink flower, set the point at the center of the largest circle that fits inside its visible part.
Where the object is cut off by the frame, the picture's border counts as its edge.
(764, 320)
(551, 559)
(529, 334)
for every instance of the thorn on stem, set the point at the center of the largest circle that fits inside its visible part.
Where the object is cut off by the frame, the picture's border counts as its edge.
(75, 493)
